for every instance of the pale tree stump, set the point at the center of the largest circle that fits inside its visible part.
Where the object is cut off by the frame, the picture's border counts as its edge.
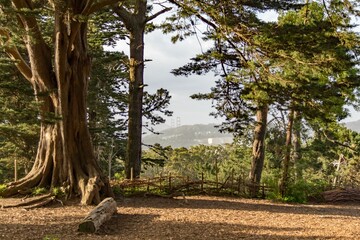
(100, 214)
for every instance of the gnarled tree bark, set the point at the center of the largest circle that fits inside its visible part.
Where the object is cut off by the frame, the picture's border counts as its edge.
(258, 152)
(65, 156)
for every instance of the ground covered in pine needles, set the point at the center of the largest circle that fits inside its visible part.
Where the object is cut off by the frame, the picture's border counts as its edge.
(197, 217)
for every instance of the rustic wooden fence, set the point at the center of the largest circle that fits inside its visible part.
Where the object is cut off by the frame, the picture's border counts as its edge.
(174, 185)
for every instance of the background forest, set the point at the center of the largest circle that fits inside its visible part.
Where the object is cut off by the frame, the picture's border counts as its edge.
(282, 88)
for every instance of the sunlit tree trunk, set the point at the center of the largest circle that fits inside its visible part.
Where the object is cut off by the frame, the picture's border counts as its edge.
(135, 22)
(135, 19)
(65, 156)
(286, 161)
(258, 152)
(136, 93)
(296, 154)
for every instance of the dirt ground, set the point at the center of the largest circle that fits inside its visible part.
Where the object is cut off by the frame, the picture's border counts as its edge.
(198, 217)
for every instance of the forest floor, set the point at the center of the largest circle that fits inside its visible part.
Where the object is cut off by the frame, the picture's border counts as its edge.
(196, 217)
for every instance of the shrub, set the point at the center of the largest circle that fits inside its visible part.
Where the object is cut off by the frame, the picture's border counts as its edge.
(38, 191)
(2, 188)
(58, 192)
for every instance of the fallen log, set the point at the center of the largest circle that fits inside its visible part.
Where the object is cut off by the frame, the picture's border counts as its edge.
(342, 195)
(100, 214)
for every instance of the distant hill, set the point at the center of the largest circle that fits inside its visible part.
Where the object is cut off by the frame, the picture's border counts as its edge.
(206, 134)
(355, 126)
(189, 135)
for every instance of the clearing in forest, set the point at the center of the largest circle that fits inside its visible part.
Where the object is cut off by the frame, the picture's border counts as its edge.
(196, 217)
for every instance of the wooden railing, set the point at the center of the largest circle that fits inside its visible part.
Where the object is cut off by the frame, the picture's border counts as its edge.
(172, 184)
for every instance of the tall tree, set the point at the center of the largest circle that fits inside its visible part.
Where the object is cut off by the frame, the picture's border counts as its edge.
(245, 90)
(134, 15)
(300, 59)
(57, 66)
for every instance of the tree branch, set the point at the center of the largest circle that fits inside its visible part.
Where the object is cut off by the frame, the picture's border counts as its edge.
(99, 5)
(152, 17)
(337, 142)
(123, 14)
(196, 13)
(15, 55)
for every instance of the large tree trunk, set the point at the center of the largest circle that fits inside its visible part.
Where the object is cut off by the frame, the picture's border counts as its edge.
(258, 151)
(65, 156)
(286, 161)
(135, 23)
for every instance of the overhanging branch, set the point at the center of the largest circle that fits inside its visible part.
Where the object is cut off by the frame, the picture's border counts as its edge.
(123, 14)
(99, 5)
(152, 17)
(15, 55)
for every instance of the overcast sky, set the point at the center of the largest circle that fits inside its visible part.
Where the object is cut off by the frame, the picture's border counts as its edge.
(166, 56)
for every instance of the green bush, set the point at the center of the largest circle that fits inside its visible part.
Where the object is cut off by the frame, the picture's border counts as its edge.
(302, 191)
(119, 176)
(58, 192)
(38, 191)
(2, 188)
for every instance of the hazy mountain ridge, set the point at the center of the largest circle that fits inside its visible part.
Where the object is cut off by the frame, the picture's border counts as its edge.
(207, 134)
(189, 135)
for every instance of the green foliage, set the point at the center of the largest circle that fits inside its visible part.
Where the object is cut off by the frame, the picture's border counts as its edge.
(51, 238)
(301, 191)
(211, 161)
(119, 176)
(39, 191)
(2, 188)
(117, 191)
(57, 192)
(19, 125)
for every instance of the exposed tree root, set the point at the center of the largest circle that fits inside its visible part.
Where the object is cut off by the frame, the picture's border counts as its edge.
(32, 202)
(41, 203)
(91, 189)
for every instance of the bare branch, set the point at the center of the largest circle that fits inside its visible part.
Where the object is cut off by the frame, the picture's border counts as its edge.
(152, 17)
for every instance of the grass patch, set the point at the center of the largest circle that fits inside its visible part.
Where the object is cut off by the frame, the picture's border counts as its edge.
(2, 188)
(50, 238)
(39, 191)
(57, 192)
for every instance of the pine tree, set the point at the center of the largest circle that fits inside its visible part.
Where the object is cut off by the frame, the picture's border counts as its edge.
(135, 17)
(301, 63)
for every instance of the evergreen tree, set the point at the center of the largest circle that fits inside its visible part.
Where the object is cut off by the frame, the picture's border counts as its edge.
(18, 123)
(136, 17)
(57, 66)
(304, 63)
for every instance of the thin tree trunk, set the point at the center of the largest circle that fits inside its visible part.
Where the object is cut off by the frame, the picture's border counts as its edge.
(286, 162)
(136, 92)
(296, 155)
(135, 18)
(135, 23)
(258, 152)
